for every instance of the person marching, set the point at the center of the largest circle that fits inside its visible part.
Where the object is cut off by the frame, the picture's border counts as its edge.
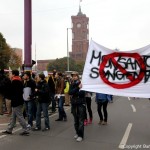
(60, 97)
(43, 98)
(28, 95)
(102, 101)
(52, 84)
(78, 108)
(17, 104)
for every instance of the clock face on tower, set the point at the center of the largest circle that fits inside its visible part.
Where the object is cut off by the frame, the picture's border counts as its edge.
(78, 25)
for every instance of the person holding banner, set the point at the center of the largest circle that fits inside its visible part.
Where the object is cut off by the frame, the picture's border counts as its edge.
(78, 107)
(102, 101)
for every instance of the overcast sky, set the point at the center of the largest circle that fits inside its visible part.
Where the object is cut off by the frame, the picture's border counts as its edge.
(121, 24)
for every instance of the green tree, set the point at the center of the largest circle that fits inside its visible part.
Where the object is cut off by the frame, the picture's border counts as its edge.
(80, 66)
(8, 57)
(60, 64)
(4, 52)
(14, 61)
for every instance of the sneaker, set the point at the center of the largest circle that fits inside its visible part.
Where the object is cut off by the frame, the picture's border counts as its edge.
(45, 129)
(85, 122)
(79, 139)
(6, 132)
(65, 119)
(24, 133)
(100, 122)
(104, 123)
(59, 119)
(76, 136)
(29, 127)
(36, 129)
(53, 111)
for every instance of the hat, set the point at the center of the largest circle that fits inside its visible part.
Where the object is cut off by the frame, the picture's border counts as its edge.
(74, 73)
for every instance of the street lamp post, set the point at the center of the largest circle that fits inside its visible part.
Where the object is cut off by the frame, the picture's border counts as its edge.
(68, 51)
(27, 34)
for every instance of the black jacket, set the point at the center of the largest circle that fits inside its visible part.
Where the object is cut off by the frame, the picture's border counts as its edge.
(51, 84)
(77, 95)
(43, 93)
(16, 92)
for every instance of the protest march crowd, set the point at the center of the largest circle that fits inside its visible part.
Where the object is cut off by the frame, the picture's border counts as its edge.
(29, 95)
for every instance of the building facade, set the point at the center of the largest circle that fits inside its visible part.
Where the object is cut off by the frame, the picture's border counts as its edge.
(42, 64)
(80, 36)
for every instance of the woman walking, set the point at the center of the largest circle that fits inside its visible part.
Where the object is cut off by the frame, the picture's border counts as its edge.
(102, 101)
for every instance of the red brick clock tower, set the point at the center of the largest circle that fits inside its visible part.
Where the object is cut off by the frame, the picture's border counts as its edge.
(80, 36)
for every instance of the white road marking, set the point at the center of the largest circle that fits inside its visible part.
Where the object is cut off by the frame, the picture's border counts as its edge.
(133, 108)
(2, 136)
(5, 124)
(125, 137)
(129, 98)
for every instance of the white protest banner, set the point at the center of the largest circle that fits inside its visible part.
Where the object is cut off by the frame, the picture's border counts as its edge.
(122, 73)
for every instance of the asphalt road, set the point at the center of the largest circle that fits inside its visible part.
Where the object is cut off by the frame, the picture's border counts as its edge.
(128, 128)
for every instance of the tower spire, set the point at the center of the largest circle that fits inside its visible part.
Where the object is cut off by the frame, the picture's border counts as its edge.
(80, 12)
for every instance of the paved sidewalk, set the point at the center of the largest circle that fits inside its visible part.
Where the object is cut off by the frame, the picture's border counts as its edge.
(4, 121)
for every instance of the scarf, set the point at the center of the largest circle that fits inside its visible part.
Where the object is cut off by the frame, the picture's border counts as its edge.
(16, 78)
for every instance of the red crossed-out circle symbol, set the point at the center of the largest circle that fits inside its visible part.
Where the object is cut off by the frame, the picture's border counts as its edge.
(133, 80)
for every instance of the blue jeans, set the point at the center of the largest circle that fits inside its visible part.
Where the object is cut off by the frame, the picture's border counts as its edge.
(29, 106)
(61, 110)
(42, 107)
